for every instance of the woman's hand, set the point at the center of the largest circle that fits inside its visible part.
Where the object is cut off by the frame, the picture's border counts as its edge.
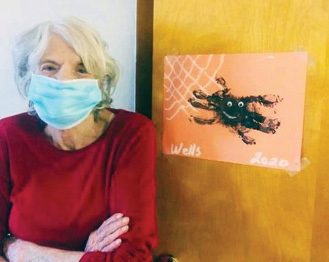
(105, 238)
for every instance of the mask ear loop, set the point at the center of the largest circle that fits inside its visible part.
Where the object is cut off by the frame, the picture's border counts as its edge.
(109, 88)
(96, 110)
(106, 97)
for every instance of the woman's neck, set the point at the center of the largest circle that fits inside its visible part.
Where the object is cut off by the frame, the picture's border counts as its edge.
(81, 135)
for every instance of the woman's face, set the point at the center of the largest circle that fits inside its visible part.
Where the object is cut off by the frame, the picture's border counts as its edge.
(61, 62)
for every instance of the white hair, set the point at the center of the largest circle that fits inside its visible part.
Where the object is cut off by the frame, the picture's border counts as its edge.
(86, 42)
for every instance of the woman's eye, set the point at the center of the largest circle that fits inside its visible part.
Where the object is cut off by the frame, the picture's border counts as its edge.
(82, 70)
(48, 68)
(240, 104)
(229, 104)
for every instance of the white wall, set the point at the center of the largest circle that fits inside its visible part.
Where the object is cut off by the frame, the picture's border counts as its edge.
(114, 19)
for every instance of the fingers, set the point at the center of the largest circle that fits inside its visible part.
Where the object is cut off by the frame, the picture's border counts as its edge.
(106, 237)
(113, 239)
(111, 228)
(111, 247)
(116, 218)
(113, 218)
(112, 232)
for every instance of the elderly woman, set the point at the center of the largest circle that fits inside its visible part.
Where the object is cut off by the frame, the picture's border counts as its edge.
(77, 177)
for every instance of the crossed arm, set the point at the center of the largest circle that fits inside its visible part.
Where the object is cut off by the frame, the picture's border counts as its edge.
(104, 239)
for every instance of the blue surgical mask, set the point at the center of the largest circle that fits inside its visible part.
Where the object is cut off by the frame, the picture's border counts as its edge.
(63, 104)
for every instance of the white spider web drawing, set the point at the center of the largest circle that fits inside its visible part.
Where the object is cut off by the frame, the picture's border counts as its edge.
(182, 75)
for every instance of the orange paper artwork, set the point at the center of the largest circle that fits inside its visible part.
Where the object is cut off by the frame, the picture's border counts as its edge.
(238, 108)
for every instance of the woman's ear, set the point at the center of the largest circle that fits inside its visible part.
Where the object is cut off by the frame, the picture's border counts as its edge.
(22, 70)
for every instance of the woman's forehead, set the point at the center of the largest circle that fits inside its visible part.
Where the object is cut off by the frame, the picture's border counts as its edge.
(59, 51)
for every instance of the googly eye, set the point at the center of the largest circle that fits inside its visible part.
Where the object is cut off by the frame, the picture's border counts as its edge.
(229, 104)
(240, 104)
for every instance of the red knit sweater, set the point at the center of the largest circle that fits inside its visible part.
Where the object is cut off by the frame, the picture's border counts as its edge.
(56, 198)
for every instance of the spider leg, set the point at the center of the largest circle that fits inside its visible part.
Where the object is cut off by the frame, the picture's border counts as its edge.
(221, 81)
(203, 121)
(220, 93)
(205, 106)
(258, 122)
(266, 100)
(253, 120)
(246, 139)
(270, 125)
(200, 94)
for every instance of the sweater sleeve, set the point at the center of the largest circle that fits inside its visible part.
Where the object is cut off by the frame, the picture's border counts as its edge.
(133, 193)
(4, 188)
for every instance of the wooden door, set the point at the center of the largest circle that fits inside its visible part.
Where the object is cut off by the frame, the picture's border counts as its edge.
(215, 211)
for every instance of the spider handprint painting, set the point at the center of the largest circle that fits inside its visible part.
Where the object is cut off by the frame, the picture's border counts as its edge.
(239, 114)
(237, 108)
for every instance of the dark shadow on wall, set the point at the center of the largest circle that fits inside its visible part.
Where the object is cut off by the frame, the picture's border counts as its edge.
(144, 57)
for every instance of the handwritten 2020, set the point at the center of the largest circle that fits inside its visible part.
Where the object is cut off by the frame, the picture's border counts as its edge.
(273, 161)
